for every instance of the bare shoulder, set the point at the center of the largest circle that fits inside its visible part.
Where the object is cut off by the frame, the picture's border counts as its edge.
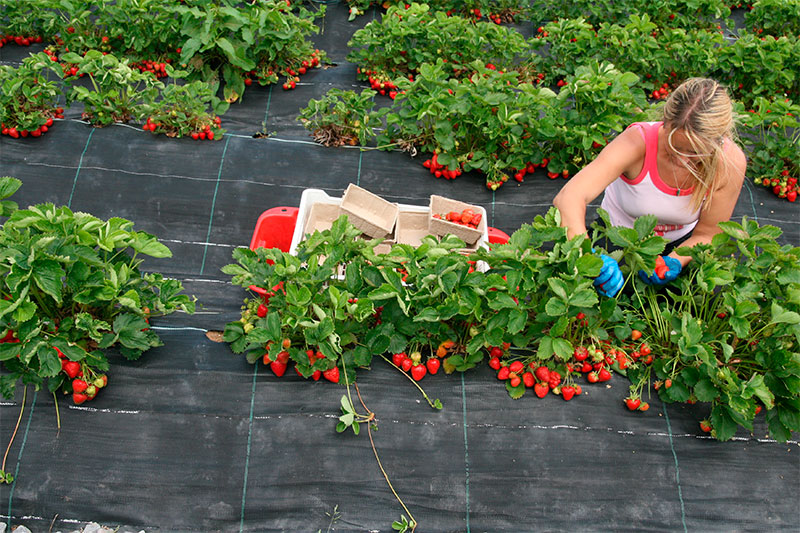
(737, 161)
(626, 152)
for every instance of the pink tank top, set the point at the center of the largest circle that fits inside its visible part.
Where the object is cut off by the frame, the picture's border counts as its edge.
(627, 199)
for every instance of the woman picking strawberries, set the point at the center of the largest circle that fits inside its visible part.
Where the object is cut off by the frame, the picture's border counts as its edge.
(686, 170)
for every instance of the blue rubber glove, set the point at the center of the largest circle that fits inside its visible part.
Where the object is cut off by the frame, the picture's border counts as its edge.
(673, 268)
(610, 280)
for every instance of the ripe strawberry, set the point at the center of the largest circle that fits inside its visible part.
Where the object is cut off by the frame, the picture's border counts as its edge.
(581, 353)
(494, 363)
(515, 381)
(528, 379)
(555, 379)
(476, 219)
(705, 425)
(567, 392)
(79, 385)
(397, 358)
(261, 311)
(496, 352)
(407, 364)
(433, 365)
(265, 359)
(633, 403)
(644, 407)
(758, 409)
(278, 368)
(644, 349)
(79, 398)
(516, 367)
(316, 375)
(603, 375)
(543, 373)
(636, 335)
(592, 377)
(503, 373)
(283, 357)
(332, 374)
(418, 372)
(541, 390)
(668, 383)
(71, 368)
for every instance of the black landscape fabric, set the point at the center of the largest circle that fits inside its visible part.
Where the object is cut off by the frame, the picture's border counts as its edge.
(193, 438)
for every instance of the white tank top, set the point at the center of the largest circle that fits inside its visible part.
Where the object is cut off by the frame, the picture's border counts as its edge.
(626, 199)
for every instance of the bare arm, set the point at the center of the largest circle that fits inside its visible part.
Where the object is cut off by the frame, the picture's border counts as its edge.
(722, 202)
(624, 154)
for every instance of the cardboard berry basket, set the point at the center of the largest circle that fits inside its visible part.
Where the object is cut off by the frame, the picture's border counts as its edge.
(412, 226)
(369, 212)
(440, 205)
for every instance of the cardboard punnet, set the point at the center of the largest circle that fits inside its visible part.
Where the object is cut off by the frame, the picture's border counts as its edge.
(440, 227)
(321, 217)
(412, 226)
(369, 212)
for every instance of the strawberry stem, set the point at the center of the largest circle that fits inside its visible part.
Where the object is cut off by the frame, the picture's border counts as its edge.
(13, 435)
(432, 404)
(377, 458)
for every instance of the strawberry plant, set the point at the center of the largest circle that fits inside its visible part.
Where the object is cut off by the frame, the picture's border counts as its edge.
(761, 66)
(594, 104)
(488, 122)
(405, 38)
(342, 117)
(22, 22)
(257, 41)
(726, 331)
(72, 287)
(187, 110)
(118, 93)
(771, 135)
(498, 11)
(28, 98)
(773, 17)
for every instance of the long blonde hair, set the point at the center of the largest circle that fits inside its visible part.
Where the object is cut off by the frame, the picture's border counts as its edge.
(702, 109)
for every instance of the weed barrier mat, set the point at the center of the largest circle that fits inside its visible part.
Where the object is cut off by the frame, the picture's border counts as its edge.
(193, 438)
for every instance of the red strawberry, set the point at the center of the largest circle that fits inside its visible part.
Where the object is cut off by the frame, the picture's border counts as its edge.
(283, 357)
(503, 373)
(433, 365)
(541, 390)
(528, 379)
(516, 367)
(592, 377)
(476, 219)
(567, 392)
(79, 398)
(397, 358)
(332, 374)
(494, 363)
(496, 352)
(543, 373)
(705, 425)
(633, 403)
(278, 368)
(418, 372)
(261, 311)
(407, 364)
(316, 375)
(79, 385)
(515, 380)
(581, 353)
(604, 375)
(71, 368)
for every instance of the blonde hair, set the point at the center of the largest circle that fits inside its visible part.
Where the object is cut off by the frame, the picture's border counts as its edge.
(702, 109)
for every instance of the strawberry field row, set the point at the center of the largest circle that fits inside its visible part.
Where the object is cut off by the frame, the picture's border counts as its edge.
(725, 333)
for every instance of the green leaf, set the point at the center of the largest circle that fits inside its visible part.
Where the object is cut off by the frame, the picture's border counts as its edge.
(49, 363)
(555, 307)
(781, 315)
(705, 390)
(722, 422)
(515, 392)
(47, 274)
(428, 314)
(584, 298)
(147, 244)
